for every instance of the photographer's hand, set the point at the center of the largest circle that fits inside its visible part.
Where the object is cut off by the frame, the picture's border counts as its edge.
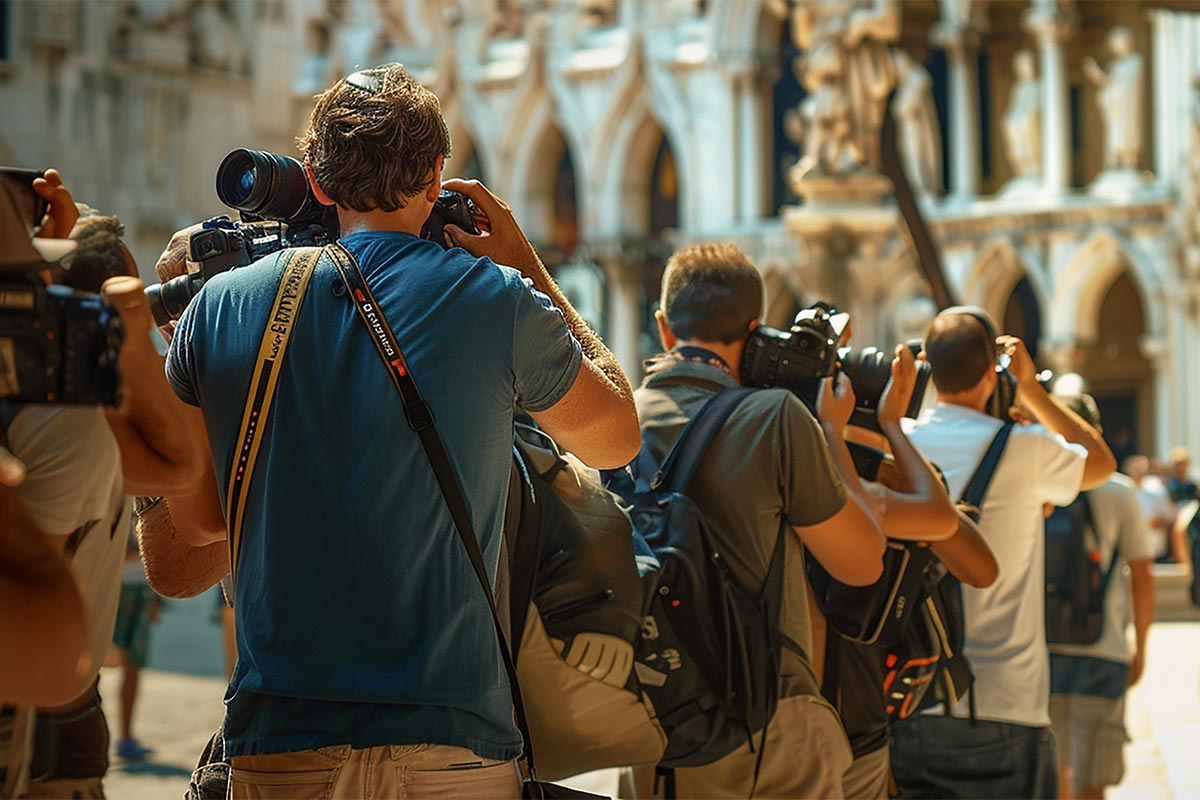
(1020, 362)
(898, 393)
(501, 238)
(836, 401)
(158, 452)
(12, 471)
(62, 214)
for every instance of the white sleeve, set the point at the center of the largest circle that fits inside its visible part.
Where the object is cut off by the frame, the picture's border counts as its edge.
(1059, 466)
(63, 450)
(1132, 542)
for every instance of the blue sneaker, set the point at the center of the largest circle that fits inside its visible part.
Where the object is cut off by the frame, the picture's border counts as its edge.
(133, 750)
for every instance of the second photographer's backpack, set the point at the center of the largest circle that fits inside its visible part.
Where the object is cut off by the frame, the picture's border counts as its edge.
(929, 656)
(1075, 583)
(709, 653)
(576, 610)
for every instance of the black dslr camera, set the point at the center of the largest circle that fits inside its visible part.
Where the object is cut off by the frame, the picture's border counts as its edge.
(799, 358)
(277, 210)
(56, 345)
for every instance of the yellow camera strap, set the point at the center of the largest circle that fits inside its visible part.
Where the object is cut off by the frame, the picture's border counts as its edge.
(298, 265)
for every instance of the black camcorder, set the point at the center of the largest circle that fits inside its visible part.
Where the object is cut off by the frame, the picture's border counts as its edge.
(277, 210)
(56, 345)
(797, 360)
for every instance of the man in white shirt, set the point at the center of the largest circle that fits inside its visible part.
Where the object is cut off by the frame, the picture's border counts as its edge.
(1008, 750)
(1088, 682)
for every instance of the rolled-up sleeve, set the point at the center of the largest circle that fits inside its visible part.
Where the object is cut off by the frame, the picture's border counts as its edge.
(546, 355)
(181, 362)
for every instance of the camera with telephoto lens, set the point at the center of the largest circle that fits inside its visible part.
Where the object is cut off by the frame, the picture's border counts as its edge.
(278, 210)
(797, 360)
(57, 345)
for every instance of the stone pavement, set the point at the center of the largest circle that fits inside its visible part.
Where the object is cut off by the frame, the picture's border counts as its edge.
(177, 712)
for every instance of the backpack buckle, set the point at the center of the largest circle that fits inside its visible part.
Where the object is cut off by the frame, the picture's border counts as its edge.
(419, 416)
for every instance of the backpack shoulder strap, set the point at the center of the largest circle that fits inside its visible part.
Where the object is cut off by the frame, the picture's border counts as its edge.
(679, 466)
(977, 487)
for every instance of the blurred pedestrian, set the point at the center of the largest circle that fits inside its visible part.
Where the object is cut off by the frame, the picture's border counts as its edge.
(137, 611)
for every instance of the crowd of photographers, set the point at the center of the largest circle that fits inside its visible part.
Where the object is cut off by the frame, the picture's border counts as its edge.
(331, 431)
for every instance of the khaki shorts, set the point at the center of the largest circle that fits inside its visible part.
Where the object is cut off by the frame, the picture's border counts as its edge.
(867, 778)
(1091, 738)
(806, 755)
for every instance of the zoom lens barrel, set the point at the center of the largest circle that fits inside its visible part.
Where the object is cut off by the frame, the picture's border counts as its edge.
(264, 184)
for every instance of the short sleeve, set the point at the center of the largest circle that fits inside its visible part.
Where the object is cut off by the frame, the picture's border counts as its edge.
(811, 488)
(1059, 466)
(546, 355)
(181, 362)
(1133, 543)
(66, 452)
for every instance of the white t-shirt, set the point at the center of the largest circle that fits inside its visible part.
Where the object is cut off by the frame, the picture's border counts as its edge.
(1117, 519)
(1154, 501)
(74, 488)
(1005, 623)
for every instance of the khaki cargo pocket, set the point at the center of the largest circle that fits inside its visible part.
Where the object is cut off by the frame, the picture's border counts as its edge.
(498, 781)
(307, 775)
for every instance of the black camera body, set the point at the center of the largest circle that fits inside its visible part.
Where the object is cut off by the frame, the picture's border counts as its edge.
(797, 360)
(57, 345)
(278, 210)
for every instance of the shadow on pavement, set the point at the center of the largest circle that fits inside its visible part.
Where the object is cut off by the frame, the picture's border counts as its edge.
(150, 768)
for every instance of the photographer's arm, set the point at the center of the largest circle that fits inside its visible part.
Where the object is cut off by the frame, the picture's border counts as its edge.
(849, 544)
(1057, 418)
(917, 506)
(967, 555)
(596, 420)
(43, 629)
(158, 455)
(174, 566)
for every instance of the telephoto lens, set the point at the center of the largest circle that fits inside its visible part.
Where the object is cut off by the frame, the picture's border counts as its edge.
(264, 185)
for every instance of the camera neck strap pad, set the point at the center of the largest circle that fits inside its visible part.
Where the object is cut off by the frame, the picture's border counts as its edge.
(298, 265)
(420, 419)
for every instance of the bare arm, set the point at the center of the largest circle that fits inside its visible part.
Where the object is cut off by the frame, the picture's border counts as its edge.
(43, 628)
(1057, 418)
(596, 420)
(918, 507)
(158, 455)
(1141, 579)
(175, 567)
(1179, 532)
(849, 544)
(967, 555)
(196, 514)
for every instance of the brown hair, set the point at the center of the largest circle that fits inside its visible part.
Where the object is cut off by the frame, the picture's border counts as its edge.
(375, 149)
(960, 351)
(99, 253)
(711, 292)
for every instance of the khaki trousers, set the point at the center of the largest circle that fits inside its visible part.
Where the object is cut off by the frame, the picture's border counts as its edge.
(397, 771)
(806, 755)
(867, 778)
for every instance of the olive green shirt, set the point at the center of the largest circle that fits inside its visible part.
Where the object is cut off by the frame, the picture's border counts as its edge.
(767, 469)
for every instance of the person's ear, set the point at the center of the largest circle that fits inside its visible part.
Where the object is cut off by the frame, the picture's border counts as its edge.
(753, 325)
(435, 184)
(317, 191)
(664, 333)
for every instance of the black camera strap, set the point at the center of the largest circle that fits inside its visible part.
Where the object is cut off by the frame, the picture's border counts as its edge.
(420, 419)
(298, 265)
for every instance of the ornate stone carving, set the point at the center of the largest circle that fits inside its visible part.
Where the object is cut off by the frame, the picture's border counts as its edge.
(1023, 119)
(1120, 100)
(848, 72)
(919, 133)
(215, 41)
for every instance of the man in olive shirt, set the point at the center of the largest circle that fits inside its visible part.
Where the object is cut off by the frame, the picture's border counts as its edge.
(773, 470)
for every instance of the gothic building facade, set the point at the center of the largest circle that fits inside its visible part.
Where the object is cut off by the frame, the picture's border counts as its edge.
(1054, 146)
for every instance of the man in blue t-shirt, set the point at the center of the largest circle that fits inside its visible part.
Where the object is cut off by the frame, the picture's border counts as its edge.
(367, 661)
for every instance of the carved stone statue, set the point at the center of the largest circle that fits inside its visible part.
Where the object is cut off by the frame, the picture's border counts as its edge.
(1023, 120)
(849, 73)
(916, 116)
(1120, 100)
(215, 40)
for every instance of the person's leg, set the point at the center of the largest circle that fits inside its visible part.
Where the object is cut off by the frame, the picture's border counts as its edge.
(129, 688)
(1067, 744)
(1105, 762)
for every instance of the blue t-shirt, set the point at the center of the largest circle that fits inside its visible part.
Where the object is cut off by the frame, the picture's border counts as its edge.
(359, 617)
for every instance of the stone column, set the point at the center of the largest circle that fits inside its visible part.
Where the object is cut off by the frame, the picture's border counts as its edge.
(961, 44)
(624, 313)
(1052, 22)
